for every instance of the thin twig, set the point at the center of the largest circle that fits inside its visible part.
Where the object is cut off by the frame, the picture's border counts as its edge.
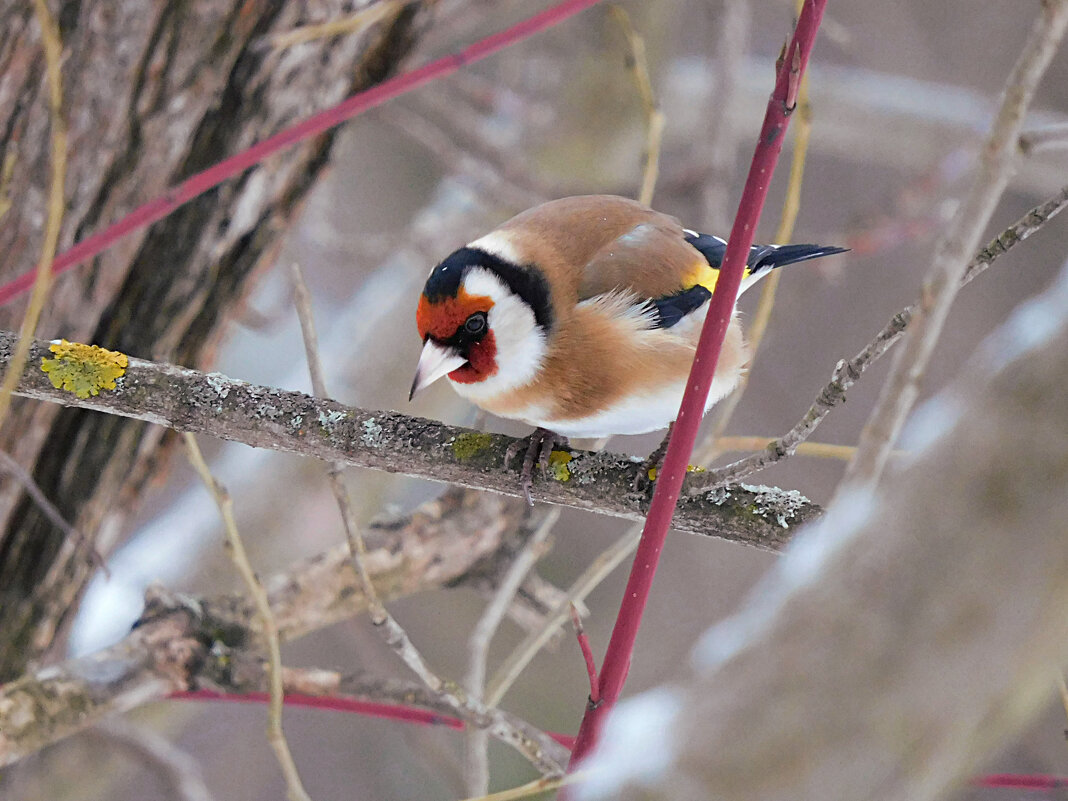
(201, 182)
(275, 735)
(638, 64)
(684, 431)
(536, 787)
(357, 548)
(587, 654)
(42, 281)
(177, 769)
(476, 751)
(1048, 137)
(716, 151)
(591, 578)
(393, 634)
(846, 373)
(1062, 689)
(758, 325)
(816, 450)
(962, 236)
(49, 510)
(344, 26)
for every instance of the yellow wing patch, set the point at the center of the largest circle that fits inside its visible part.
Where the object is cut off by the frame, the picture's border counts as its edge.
(705, 275)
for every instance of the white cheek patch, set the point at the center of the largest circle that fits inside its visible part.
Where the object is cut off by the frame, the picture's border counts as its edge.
(520, 340)
(499, 244)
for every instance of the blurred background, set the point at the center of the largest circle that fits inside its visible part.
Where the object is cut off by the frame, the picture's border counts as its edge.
(901, 96)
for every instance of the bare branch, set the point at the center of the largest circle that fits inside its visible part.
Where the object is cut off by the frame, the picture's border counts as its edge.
(182, 644)
(476, 751)
(950, 263)
(175, 767)
(846, 373)
(591, 577)
(266, 417)
(49, 510)
(236, 547)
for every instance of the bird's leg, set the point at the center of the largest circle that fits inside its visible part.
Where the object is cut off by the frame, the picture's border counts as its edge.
(540, 446)
(654, 461)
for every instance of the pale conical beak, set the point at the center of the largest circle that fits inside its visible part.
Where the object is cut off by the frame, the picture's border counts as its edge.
(434, 362)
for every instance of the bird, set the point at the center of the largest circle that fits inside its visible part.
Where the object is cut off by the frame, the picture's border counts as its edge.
(580, 317)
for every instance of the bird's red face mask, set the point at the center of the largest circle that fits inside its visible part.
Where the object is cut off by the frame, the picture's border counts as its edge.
(457, 340)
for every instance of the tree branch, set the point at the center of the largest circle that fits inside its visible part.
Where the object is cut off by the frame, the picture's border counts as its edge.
(962, 236)
(846, 372)
(265, 417)
(184, 644)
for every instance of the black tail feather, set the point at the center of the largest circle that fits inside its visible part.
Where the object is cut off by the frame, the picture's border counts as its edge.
(768, 257)
(761, 257)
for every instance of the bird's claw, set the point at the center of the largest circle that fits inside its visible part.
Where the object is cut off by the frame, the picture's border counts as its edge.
(652, 464)
(539, 448)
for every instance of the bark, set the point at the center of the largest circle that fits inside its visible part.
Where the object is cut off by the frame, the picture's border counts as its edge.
(153, 92)
(183, 643)
(266, 417)
(909, 634)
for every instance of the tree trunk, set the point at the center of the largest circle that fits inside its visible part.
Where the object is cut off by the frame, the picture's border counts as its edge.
(153, 92)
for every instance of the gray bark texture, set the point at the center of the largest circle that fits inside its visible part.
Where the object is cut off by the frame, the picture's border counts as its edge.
(153, 92)
(907, 634)
(283, 420)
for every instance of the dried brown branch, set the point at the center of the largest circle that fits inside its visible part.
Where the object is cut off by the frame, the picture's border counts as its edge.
(266, 417)
(236, 547)
(958, 243)
(846, 373)
(638, 65)
(188, 643)
(591, 577)
(392, 633)
(476, 752)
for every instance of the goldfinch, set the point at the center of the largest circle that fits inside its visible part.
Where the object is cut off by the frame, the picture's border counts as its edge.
(581, 316)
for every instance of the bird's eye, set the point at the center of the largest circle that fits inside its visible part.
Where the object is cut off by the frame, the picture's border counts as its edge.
(476, 323)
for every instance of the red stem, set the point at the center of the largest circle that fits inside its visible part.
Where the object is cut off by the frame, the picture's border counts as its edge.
(1016, 781)
(669, 480)
(406, 714)
(587, 655)
(323, 121)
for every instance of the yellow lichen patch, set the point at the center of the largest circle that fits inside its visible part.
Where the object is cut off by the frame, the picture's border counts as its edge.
(83, 369)
(467, 446)
(558, 465)
(692, 468)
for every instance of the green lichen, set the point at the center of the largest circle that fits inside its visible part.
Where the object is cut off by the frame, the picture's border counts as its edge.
(468, 446)
(558, 461)
(83, 369)
(690, 468)
(372, 433)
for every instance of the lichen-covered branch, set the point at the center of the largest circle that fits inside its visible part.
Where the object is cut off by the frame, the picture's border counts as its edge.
(186, 643)
(266, 417)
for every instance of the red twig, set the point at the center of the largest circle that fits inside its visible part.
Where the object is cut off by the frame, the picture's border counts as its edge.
(669, 481)
(347, 109)
(587, 654)
(1015, 781)
(405, 714)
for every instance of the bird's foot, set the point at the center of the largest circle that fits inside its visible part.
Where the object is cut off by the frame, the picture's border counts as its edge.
(651, 466)
(540, 445)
